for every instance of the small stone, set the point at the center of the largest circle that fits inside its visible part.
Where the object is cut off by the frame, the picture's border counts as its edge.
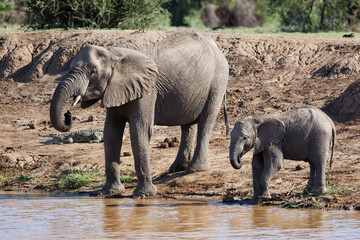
(173, 144)
(90, 118)
(167, 140)
(176, 139)
(164, 145)
(299, 167)
(32, 125)
(127, 154)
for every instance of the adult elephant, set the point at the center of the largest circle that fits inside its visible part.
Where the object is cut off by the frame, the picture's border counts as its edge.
(178, 81)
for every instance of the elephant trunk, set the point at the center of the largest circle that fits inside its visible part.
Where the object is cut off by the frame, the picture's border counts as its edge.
(235, 156)
(71, 86)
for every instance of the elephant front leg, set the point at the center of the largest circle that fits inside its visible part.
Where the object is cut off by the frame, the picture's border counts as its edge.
(257, 169)
(185, 153)
(140, 142)
(273, 162)
(113, 134)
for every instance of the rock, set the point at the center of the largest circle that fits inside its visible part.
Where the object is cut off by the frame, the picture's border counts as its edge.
(90, 119)
(32, 125)
(164, 145)
(17, 161)
(173, 144)
(127, 154)
(299, 167)
(176, 139)
(348, 103)
(167, 140)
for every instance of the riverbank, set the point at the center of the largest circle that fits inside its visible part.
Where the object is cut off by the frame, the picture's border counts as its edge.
(268, 74)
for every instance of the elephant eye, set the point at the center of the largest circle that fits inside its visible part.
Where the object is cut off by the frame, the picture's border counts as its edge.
(245, 137)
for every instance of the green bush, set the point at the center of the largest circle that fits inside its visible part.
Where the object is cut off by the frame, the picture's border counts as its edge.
(126, 14)
(4, 8)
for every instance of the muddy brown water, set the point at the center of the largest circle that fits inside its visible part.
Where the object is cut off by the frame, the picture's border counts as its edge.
(44, 216)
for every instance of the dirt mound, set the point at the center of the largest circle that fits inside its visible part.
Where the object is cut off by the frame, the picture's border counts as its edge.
(28, 57)
(348, 103)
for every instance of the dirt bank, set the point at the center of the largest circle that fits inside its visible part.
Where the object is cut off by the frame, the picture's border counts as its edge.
(267, 74)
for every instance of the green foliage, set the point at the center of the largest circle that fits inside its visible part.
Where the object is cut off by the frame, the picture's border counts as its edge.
(193, 19)
(334, 189)
(2, 180)
(6, 7)
(127, 174)
(127, 14)
(25, 178)
(314, 15)
(179, 9)
(74, 179)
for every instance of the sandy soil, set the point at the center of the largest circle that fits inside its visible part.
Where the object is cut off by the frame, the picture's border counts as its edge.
(267, 74)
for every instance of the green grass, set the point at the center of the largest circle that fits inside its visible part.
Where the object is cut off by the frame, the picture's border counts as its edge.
(267, 30)
(75, 179)
(2, 180)
(10, 28)
(127, 174)
(25, 178)
(5, 180)
(334, 189)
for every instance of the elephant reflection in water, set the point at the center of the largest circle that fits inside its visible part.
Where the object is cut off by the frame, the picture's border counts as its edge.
(149, 215)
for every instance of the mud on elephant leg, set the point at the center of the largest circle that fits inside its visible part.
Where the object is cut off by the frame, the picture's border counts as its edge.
(113, 134)
(186, 149)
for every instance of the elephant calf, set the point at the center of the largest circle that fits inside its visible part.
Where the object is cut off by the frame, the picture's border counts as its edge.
(304, 133)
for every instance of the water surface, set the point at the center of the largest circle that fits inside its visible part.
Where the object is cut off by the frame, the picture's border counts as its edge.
(44, 216)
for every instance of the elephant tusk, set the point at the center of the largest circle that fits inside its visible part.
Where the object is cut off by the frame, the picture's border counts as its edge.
(76, 100)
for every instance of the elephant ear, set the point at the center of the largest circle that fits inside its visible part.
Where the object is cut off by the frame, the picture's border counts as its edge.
(270, 131)
(133, 76)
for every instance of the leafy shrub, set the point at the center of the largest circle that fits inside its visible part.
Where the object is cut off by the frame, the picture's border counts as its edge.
(4, 8)
(126, 14)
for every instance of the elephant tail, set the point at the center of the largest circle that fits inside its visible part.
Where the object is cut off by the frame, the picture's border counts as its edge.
(333, 145)
(226, 117)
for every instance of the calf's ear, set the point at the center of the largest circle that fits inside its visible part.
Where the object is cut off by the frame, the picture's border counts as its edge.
(270, 131)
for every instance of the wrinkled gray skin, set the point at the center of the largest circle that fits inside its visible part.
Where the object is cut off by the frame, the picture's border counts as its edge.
(178, 81)
(304, 133)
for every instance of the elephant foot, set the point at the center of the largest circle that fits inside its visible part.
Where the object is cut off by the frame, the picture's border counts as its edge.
(315, 191)
(113, 189)
(197, 167)
(177, 167)
(145, 189)
(318, 191)
(263, 197)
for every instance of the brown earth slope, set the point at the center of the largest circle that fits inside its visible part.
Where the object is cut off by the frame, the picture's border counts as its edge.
(267, 74)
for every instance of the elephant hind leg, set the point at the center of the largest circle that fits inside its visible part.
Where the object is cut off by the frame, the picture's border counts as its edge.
(310, 185)
(185, 153)
(199, 162)
(319, 185)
